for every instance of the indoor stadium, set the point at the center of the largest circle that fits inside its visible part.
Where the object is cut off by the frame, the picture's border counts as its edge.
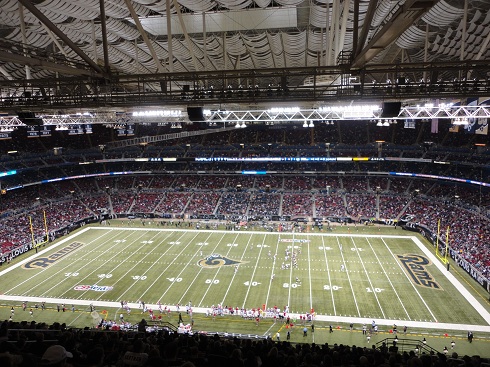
(250, 183)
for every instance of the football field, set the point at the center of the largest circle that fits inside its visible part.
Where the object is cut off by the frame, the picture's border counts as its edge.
(339, 277)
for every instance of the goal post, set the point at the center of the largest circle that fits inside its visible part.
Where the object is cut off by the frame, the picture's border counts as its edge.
(46, 232)
(442, 254)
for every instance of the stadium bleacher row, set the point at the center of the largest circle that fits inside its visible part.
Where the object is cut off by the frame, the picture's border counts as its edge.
(35, 344)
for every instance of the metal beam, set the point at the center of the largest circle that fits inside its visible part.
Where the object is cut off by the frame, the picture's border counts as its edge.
(188, 40)
(5, 73)
(64, 69)
(136, 20)
(103, 29)
(402, 19)
(365, 26)
(39, 15)
(164, 137)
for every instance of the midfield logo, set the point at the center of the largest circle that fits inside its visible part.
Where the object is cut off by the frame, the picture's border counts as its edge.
(415, 266)
(44, 262)
(217, 261)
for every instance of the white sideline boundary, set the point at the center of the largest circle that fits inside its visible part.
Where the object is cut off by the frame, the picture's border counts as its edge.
(326, 318)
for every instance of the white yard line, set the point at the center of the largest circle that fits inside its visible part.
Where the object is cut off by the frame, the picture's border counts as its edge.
(410, 282)
(329, 278)
(368, 279)
(253, 275)
(290, 270)
(309, 275)
(191, 284)
(230, 284)
(154, 262)
(348, 278)
(163, 272)
(389, 280)
(216, 273)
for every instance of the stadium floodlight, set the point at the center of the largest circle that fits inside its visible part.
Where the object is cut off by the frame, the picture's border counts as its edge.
(460, 121)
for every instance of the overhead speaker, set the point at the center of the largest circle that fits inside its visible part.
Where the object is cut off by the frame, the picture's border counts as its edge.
(195, 114)
(29, 118)
(391, 109)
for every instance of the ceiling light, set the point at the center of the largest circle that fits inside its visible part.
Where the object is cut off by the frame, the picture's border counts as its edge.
(311, 124)
(386, 123)
(305, 124)
(380, 123)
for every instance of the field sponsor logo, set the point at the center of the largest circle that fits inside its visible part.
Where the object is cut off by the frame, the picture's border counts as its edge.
(415, 266)
(44, 262)
(95, 287)
(216, 261)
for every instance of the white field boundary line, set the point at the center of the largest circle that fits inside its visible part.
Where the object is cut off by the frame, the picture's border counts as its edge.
(331, 319)
(462, 290)
(50, 248)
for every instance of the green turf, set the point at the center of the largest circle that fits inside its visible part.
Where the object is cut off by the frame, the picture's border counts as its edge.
(169, 265)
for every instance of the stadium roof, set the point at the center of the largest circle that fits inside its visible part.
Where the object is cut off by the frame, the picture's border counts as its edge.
(203, 44)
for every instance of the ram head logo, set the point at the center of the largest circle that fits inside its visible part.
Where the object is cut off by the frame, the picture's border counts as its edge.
(216, 261)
